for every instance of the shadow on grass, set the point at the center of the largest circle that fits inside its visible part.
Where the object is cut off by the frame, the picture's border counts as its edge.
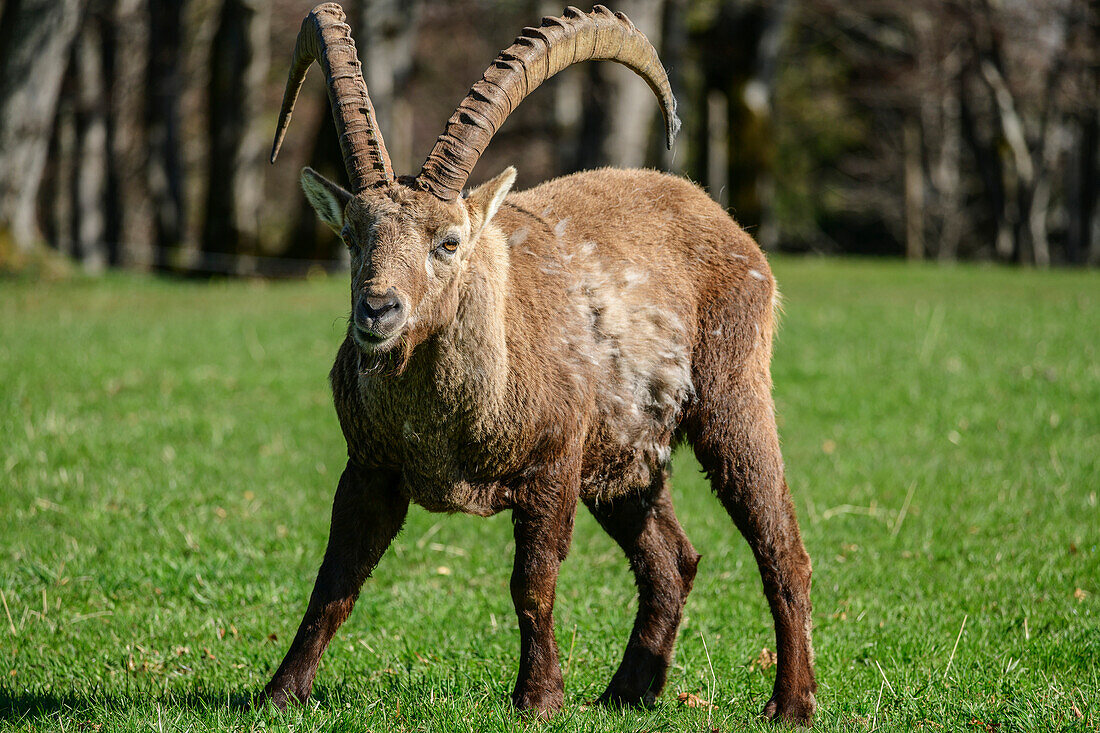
(28, 706)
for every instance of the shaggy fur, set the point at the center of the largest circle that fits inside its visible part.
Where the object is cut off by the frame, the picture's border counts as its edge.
(551, 360)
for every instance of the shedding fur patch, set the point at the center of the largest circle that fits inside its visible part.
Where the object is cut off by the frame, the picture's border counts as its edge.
(637, 354)
(518, 237)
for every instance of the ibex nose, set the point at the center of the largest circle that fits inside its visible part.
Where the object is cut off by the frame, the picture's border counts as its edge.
(379, 316)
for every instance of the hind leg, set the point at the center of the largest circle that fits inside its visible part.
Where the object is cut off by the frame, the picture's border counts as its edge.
(734, 434)
(664, 563)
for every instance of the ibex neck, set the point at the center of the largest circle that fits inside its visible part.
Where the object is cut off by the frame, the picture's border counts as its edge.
(472, 357)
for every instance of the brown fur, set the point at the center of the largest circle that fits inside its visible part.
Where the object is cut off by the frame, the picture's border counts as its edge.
(550, 361)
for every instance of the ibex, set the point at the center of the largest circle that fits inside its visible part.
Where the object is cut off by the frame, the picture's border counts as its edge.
(528, 351)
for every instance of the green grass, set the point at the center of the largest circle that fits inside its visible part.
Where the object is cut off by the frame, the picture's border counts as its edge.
(169, 453)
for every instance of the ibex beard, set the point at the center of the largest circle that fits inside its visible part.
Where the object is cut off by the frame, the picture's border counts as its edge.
(532, 351)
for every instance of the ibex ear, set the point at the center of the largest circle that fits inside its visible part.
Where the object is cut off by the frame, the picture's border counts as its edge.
(327, 199)
(484, 201)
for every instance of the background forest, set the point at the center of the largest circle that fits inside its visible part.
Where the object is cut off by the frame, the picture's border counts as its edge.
(135, 133)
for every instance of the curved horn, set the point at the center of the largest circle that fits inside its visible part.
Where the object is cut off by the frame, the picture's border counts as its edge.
(535, 56)
(326, 38)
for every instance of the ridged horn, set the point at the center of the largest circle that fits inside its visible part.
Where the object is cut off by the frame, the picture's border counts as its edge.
(326, 39)
(535, 56)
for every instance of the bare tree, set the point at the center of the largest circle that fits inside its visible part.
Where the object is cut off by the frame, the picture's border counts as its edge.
(130, 228)
(239, 62)
(388, 29)
(89, 185)
(617, 117)
(35, 38)
(735, 49)
(934, 128)
(990, 99)
(164, 84)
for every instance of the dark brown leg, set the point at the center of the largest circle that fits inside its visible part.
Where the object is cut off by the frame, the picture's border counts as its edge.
(664, 564)
(543, 531)
(738, 446)
(366, 515)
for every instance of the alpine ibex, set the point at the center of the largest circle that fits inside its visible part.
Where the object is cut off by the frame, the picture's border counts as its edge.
(528, 351)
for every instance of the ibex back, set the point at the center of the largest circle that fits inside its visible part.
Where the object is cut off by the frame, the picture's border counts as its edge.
(529, 351)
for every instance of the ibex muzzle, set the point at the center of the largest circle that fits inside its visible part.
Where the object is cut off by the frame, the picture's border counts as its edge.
(379, 317)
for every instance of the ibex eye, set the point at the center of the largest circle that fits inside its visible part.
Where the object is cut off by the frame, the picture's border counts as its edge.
(449, 244)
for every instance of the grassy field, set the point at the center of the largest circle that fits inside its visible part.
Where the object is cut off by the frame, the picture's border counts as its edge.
(169, 453)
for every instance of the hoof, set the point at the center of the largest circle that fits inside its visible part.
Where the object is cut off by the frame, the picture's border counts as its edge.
(638, 681)
(541, 704)
(280, 694)
(615, 697)
(793, 709)
(278, 698)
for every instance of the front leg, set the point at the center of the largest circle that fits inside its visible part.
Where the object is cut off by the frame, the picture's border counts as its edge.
(543, 531)
(367, 514)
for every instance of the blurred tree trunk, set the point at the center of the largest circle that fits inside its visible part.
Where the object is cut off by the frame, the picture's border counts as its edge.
(1082, 179)
(618, 112)
(238, 66)
(1020, 183)
(387, 31)
(989, 169)
(937, 85)
(164, 84)
(589, 151)
(113, 214)
(1088, 182)
(130, 225)
(569, 90)
(946, 175)
(674, 55)
(759, 97)
(718, 153)
(1032, 134)
(1082, 170)
(55, 202)
(35, 38)
(739, 48)
(89, 183)
(308, 238)
(914, 192)
(568, 94)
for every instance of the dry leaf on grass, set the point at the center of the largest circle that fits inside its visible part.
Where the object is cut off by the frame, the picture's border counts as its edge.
(765, 659)
(1080, 594)
(692, 700)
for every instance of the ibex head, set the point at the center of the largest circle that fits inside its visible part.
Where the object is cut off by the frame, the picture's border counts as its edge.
(411, 238)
